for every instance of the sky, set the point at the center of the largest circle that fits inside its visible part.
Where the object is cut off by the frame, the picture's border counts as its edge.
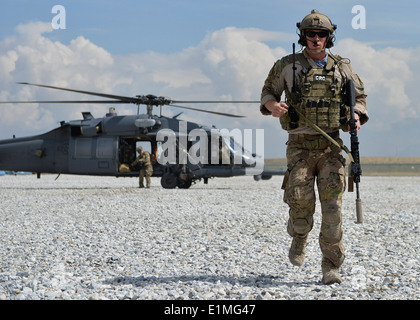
(203, 50)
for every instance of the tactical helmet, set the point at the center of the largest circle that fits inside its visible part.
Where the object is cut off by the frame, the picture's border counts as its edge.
(316, 20)
(139, 149)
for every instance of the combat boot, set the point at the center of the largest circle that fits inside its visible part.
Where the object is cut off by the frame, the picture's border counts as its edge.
(297, 250)
(329, 272)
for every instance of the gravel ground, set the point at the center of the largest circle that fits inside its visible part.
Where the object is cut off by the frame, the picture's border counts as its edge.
(103, 238)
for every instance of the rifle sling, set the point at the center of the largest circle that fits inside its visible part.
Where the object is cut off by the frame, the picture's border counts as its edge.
(326, 135)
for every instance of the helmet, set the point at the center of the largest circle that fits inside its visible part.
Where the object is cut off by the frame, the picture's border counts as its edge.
(139, 149)
(316, 20)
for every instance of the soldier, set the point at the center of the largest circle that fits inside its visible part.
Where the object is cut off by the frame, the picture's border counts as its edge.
(146, 169)
(313, 82)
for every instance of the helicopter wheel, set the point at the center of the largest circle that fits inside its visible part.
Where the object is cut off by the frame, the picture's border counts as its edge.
(185, 184)
(169, 181)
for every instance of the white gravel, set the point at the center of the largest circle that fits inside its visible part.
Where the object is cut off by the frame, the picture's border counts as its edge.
(103, 238)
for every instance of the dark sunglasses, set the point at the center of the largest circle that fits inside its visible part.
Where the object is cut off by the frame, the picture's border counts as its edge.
(321, 34)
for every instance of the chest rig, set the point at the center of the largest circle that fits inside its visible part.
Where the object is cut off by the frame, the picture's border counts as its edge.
(318, 97)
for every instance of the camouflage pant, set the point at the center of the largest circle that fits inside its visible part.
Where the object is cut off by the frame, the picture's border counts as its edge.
(310, 160)
(145, 173)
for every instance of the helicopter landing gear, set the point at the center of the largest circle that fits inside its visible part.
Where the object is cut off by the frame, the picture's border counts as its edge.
(169, 181)
(185, 184)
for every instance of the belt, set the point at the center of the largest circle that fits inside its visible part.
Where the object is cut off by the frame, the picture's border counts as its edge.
(301, 138)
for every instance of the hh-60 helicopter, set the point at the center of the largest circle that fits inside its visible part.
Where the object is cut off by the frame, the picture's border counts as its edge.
(107, 146)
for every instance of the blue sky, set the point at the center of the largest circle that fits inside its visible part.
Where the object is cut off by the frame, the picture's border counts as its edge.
(202, 49)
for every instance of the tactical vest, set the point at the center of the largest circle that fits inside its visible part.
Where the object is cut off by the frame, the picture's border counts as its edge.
(319, 98)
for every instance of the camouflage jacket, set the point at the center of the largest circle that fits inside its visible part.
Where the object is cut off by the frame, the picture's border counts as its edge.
(144, 160)
(280, 78)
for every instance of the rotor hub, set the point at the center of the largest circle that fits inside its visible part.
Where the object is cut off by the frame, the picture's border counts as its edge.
(152, 100)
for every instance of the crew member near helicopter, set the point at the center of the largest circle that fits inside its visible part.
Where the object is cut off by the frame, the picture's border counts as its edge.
(313, 82)
(146, 168)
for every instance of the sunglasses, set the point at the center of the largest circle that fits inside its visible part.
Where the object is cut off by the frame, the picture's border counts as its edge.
(321, 34)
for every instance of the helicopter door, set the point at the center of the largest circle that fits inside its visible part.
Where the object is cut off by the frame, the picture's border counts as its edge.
(128, 153)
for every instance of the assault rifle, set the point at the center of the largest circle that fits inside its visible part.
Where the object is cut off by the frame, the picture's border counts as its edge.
(355, 169)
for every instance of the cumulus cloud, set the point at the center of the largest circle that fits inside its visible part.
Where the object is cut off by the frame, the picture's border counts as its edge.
(30, 56)
(388, 75)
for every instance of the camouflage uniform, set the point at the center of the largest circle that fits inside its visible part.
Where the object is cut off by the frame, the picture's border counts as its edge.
(146, 169)
(310, 156)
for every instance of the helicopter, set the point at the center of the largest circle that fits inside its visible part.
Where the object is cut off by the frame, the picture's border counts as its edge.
(182, 152)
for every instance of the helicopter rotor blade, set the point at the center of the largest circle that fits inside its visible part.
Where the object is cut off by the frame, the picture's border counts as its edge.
(135, 100)
(105, 95)
(69, 101)
(148, 100)
(190, 101)
(207, 111)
